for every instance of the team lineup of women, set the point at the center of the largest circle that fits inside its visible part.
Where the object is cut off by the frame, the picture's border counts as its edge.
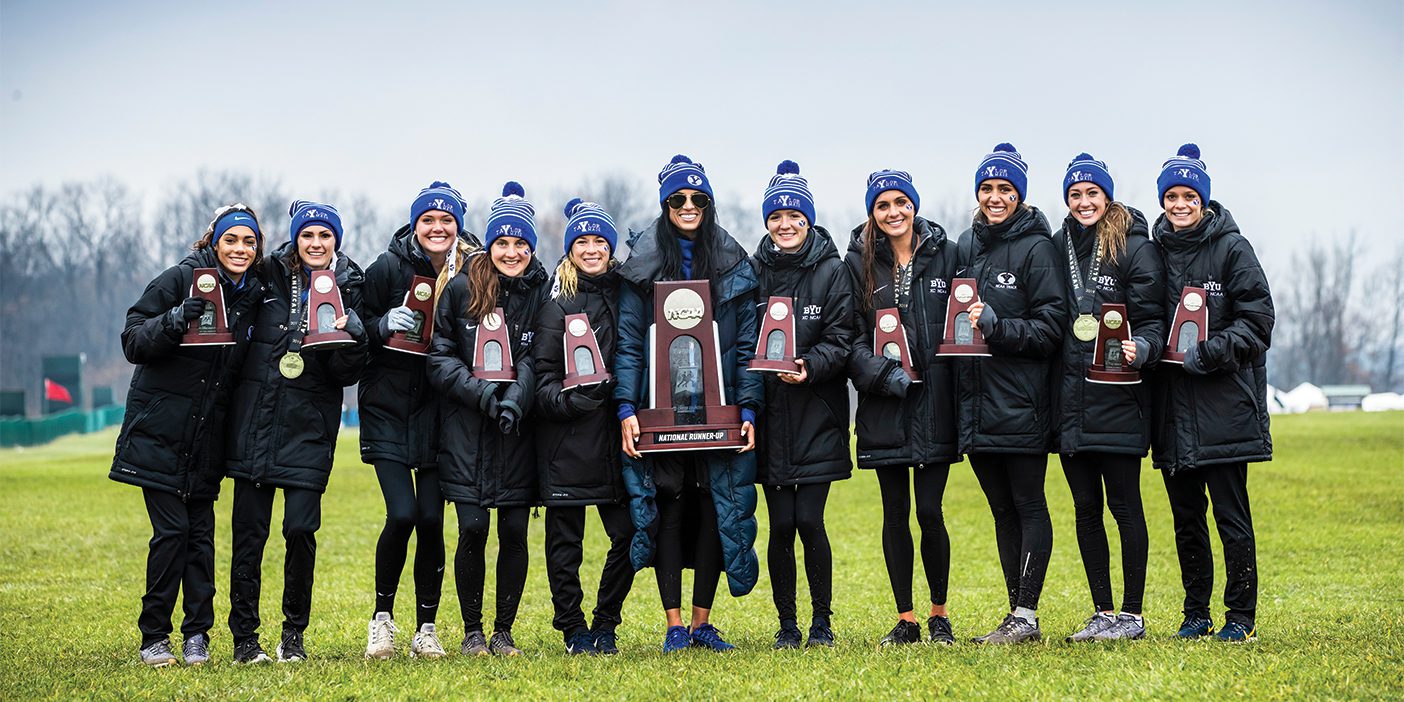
(265, 410)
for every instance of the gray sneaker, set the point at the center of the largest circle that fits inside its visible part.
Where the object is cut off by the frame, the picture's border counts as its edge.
(983, 639)
(1096, 624)
(502, 644)
(380, 637)
(158, 654)
(426, 643)
(1126, 628)
(196, 650)
(1014, 630)
(474, 644)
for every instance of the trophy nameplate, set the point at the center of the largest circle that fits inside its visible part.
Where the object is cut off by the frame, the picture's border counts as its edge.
(1109, 365)
(211, 328)
(775, 347)
(1190, 325)
(323, 309)
(890, 340)
(584, 364)
(962, 338)
(420, 300)
(687, 402)
(492, 349)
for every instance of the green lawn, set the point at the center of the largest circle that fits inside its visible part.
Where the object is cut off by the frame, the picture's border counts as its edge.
(1329, 514)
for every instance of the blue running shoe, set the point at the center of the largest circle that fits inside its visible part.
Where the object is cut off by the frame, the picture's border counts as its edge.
(1237, 632)
(709, 637)
(606, 643)
(1195, 628)
(677, 639)
(580, 643)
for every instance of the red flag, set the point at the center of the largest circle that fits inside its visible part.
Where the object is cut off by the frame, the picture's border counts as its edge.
(54, 392)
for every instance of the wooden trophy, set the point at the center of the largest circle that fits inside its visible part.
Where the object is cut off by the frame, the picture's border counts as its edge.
(492, 349)
(890, 340)
(420, 299)
(212, 327)
(1109, 364)
(962, 338)
(584, 365)
(775, 347)
(1190, 326)
(324, 308)
(687, 402)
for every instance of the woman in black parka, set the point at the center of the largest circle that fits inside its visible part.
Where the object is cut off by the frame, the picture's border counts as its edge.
(1210, 414)
(400, 416)
(487, 457)
(1104, 430)
(172, 439)
(804, 446)
(286, 416)
(578, 433)
(906, 429)
(1006, 409)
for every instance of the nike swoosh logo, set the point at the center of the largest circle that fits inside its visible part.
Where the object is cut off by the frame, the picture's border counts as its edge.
(267, 300)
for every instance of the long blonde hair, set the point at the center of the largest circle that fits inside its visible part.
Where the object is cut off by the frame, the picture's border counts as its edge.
(1111, 231)
(568, 277)
(452, 266)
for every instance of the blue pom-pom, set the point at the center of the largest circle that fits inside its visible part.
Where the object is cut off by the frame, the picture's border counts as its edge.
(1006, 146)
(1190, 151)
(570, 207)
(680, 159)
(513, 188)
(787, 166)
(1084, 156)
(439, 184)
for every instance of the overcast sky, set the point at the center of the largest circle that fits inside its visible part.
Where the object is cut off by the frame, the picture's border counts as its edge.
(1297, 106)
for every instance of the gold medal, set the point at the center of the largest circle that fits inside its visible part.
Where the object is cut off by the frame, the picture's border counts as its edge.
(1085, 327)
(290, 365)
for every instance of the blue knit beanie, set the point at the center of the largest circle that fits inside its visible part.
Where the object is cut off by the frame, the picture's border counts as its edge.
(235, 218)
(1004, 163)
(681, 173)
(1184, 169)
(1085, 169)
(306, 212)
(584, 218)
(442, 197)
(788, 191)
(887, 179)
(512, 215)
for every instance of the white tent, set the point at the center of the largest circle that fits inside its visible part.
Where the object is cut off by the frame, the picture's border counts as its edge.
(1274, 401)
(1304, 397)
(1382, 402)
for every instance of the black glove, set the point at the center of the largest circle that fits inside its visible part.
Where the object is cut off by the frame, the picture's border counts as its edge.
(585, 400)
(192, 308)
(1194, 360)
(508, 415)
(897, 382)
(354, 326)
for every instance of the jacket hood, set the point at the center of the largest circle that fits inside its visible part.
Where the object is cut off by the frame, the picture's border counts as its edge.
(347, 270)
(201, 258)
(926, 230)
(818, 246)
(1025, 222)
(645, 264)
(1217, 222)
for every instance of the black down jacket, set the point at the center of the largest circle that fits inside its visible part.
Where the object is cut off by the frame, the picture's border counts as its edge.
(1220, 417)
(478, 464)
(284, 429)
(918, 429)
(1006, 400)
(173, 433)
(803, 431)
(1110, 418)
(578, 430)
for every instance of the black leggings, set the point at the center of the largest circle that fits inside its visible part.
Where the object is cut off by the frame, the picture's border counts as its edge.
(929, 484)
(469, 565)
(685, 497)
(1086, 474)
(413, 503)
(1013, 485)
(799, 508)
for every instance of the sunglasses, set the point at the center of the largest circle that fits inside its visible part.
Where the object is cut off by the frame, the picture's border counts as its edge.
(699, 200)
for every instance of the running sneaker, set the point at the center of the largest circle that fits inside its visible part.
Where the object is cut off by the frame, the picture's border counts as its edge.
(425, 643)
(983, 639)
(196, 649)
(1096, 624)
(1237, 632)
(709, 637)
(250, 652)
(606, 644)
(1014, 630)
(290, 649)
(380, 637)
(1195, 628)
(677, 639)
(789, 636)
(474, 644)
(1126, 628)
(501, 644)
(158, 654)
(581, 643)
(939, 631)
(820, 635)
(904, 633)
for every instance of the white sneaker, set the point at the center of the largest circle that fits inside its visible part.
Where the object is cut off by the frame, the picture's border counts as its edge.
(426, 643)
(380, 637)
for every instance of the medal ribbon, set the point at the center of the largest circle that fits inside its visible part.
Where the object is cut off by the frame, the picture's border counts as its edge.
(1084, 290)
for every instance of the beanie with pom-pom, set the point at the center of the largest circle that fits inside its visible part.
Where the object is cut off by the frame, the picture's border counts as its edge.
(585, 219)
(1085, 169)
(442, 197)
(888, 179)
(788, 190)
(511, 215)
(1004, 163)
(1185, 169)
(305, 213)
(681, 173)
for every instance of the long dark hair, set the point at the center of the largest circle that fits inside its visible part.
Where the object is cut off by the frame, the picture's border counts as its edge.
(704, 247)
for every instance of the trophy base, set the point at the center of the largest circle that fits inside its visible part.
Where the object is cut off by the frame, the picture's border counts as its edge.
(329, 340)
(494, 376)
(1106, 377)
(403, 346)
(1172, 357)
(658, 433)
(963, 350)
(580, 381)
(224, 339)
(765, 365)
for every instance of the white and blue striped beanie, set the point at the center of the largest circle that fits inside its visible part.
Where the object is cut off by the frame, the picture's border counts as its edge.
(1085, 169)
(682, 173)
(442, 197)
(788, 191)
(586, 218)
(888, 179)
(1184, 169)
(1004, 163)
(512, 215)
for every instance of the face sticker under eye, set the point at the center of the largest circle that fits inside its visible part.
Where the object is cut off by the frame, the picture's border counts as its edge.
(1011, 198)
(1195, 202)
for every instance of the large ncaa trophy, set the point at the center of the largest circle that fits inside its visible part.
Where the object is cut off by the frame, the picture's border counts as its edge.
(1109, 364)
(1190, 326)
(775, 347)
(688, 409)
(420, 300)
(890, 340)
(584, 365)
(492, 349)
(962, 338)
(324, 307)
(212, 327)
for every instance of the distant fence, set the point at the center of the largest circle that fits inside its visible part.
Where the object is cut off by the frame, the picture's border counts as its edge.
(42, 430)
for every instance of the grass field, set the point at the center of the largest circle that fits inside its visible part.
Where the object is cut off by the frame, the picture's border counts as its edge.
(1329, 514)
